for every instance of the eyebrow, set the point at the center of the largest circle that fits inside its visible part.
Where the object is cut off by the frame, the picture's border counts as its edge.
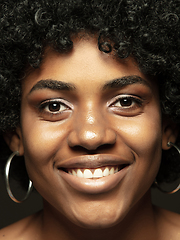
(124, 81)
(114, 83)
(53, 85)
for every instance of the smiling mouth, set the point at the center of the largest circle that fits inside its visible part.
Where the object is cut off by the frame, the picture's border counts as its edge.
(94, 173)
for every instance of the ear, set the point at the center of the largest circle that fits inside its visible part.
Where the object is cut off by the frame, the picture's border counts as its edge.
(170, 132)
(14, 141)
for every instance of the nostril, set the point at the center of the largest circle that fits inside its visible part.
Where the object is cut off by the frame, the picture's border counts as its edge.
(99, 149)
(105, 146)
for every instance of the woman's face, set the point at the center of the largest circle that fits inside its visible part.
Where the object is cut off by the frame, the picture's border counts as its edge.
(85, 113)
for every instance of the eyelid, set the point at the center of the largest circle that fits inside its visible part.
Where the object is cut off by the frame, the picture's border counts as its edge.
(129, 96)
(61, 101)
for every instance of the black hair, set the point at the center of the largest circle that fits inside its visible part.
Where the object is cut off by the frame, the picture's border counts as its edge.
(147, 30)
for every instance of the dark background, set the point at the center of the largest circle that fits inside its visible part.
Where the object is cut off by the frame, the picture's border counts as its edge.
(11, 212)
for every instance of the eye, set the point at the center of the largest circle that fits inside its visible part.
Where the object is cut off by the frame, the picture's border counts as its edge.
(53, 107)
(127, 105)
(127, 102)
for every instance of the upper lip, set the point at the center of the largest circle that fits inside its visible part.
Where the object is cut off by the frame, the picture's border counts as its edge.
(93, 161)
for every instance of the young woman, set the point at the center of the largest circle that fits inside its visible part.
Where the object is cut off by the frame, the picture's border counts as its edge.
(90, 99)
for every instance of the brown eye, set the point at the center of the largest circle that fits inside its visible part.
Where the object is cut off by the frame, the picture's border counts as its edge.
(54, 107)
(126, 102)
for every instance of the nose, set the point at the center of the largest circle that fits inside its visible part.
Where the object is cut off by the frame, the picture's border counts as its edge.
(90, 131)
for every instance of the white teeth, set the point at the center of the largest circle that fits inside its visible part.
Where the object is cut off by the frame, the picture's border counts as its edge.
(98, 173)
(87, 173)
(111, 171)
(116, 170)
(74, 173)
(80, 174)
(106, 172)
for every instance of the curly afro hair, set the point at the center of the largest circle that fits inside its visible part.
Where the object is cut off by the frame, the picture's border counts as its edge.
(145, 29)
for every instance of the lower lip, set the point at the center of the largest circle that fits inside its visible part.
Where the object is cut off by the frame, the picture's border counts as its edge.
(94, 186)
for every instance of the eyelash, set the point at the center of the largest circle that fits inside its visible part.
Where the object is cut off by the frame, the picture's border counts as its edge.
(42, 107)
(134, 103)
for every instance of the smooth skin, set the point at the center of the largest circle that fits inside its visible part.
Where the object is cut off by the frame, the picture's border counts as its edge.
(85, 109)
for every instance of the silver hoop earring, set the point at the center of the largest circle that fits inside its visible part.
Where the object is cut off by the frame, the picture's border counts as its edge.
(169, 144)
(7, 167)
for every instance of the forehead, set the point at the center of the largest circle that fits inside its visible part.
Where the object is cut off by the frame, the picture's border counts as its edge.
(83, 65)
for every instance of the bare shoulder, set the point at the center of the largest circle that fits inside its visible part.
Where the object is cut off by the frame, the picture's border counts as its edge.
(168, 224)
(24, 229)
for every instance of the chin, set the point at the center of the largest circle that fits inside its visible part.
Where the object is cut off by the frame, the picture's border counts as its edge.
(98, 224)
(97, 221)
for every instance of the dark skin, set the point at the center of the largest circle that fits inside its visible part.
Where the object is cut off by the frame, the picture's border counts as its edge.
(86, 112)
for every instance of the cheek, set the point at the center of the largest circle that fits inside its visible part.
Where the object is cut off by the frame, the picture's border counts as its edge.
(144, 131)
(41, 142)
(143, 136)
